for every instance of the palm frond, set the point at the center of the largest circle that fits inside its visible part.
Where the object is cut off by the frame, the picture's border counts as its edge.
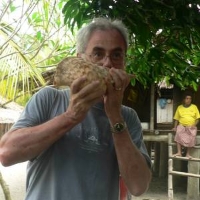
(17, 72)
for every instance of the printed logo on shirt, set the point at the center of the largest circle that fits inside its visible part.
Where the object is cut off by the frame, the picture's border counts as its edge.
(90, 138)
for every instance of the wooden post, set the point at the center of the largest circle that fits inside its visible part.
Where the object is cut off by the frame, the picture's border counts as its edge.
(193, 183)
(170, 169)
(163, 159)
(156, 158)
(170, 180)
(152, 107)
(148, 145)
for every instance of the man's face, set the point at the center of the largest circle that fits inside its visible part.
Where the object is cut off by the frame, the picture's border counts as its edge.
(106, 48)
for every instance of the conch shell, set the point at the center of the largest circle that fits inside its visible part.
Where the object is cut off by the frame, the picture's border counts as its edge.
(71, 68)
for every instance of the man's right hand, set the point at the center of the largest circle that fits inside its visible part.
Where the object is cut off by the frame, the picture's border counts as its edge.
(82, 98)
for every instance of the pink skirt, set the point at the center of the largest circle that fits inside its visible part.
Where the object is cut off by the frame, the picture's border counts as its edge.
(186, 136)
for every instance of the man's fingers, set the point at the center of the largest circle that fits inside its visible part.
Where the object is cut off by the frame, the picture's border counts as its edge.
(77, 84)
(120, 78)
(87, 93)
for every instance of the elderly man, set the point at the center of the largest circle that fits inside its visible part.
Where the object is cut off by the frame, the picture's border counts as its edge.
(80, 141)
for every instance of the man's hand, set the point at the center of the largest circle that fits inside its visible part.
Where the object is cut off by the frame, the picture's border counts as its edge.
(115, 91)
(82, 98)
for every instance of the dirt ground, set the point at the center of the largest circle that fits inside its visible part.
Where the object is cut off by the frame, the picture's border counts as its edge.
(158, 190)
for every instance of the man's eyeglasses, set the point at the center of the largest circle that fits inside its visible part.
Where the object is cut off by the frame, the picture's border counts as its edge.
(115, 57)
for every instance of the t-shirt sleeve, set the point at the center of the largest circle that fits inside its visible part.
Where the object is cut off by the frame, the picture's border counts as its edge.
(36, 110)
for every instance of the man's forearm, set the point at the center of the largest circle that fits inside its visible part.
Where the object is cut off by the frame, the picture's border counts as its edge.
(27, 143)
(132, 164)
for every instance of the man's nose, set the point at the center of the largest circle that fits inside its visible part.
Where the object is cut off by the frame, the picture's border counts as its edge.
(107, 62)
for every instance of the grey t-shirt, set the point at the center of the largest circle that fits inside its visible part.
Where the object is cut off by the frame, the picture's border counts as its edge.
(82, 165)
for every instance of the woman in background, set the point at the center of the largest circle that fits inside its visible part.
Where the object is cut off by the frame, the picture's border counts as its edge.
(186, 119)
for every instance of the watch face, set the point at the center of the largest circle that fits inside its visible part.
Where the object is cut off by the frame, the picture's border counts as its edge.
(119, 126)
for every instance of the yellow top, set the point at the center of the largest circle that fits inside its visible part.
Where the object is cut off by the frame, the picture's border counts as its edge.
(187, 115)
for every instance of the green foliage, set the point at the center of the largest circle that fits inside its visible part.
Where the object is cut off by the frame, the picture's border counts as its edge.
(36, 35)
(33, 39)
(164, 36)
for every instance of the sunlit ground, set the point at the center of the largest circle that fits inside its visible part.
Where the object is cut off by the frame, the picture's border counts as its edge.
(14, 176)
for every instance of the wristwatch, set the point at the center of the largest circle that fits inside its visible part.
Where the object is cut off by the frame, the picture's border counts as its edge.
(119, 127)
